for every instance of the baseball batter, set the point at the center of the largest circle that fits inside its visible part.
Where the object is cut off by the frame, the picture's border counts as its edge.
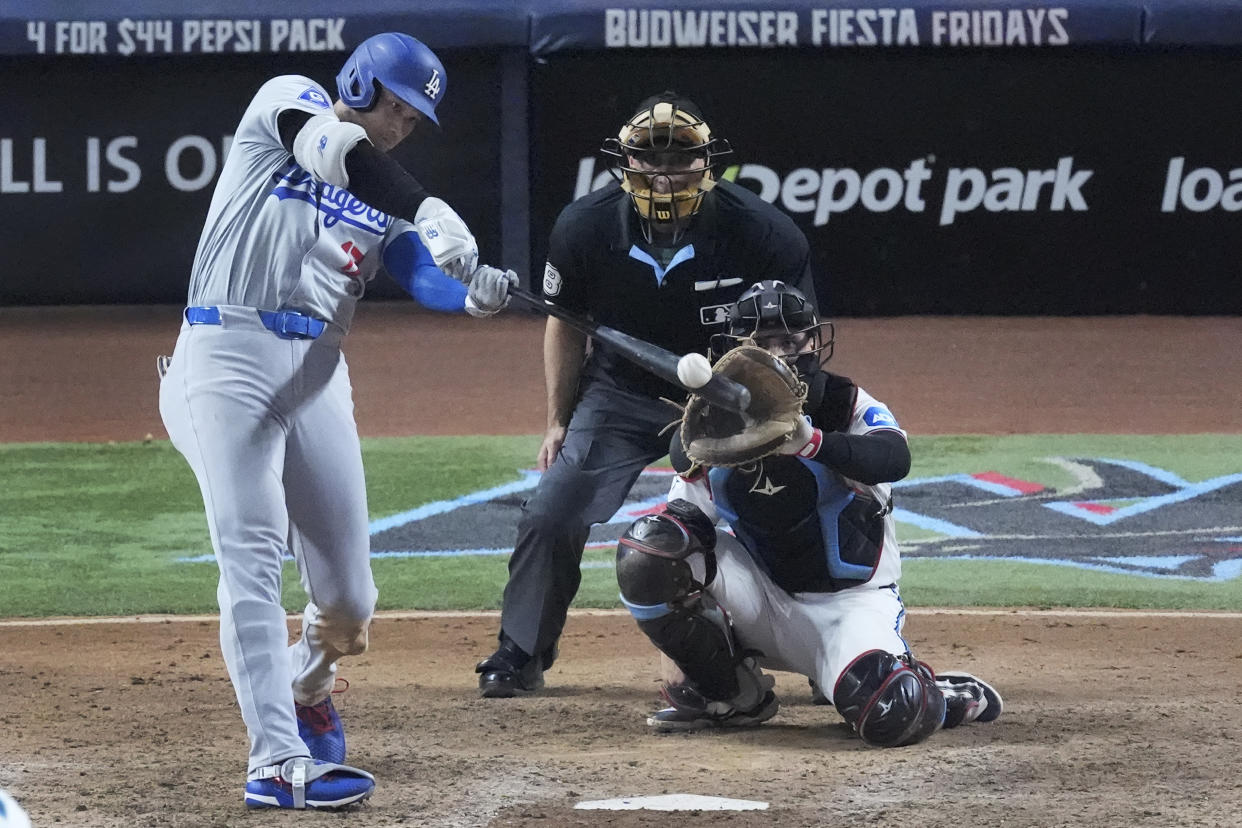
(807, 581)
(257, 395)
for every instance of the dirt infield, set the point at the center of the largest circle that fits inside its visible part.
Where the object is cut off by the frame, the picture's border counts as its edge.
(1112, 719)
(88, 373)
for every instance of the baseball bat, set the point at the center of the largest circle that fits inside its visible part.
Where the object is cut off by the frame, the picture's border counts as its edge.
(719, 391)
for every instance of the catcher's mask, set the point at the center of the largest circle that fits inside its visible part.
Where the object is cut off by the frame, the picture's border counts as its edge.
(778, 318)
(664, 157)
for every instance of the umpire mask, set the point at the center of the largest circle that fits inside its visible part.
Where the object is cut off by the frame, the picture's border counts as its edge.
(664, 157)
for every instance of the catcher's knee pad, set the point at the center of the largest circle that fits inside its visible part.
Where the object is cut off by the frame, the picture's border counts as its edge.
(889, 700)
(652, 566)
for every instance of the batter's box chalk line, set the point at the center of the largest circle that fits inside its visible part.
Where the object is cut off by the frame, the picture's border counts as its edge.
(672, 802)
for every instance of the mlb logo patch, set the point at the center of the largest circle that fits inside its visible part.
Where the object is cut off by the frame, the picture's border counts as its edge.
(878, 415)
(551, 280)
(714, 315)
(312, 95)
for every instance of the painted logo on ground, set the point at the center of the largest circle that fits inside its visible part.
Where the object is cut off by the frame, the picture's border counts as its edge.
(1119, 516)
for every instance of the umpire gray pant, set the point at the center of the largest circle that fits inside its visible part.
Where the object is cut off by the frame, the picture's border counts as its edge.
(612, 436)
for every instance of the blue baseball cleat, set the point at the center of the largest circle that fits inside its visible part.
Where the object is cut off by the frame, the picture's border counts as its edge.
(320, 727)
(302, 783)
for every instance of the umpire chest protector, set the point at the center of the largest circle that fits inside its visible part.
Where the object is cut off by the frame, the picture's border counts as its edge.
(599, 264)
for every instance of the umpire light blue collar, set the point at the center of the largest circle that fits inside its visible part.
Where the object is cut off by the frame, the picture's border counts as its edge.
(685, 254)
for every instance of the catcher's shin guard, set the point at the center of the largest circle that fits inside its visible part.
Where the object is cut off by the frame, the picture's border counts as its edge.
(661, 592)
(889, 700)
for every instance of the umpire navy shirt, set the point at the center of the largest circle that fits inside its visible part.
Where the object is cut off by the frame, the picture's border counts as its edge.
(599, 265)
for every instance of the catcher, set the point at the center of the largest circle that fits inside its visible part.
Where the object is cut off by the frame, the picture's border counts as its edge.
(807, 582)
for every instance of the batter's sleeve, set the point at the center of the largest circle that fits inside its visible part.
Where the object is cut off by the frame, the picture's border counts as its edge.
(411, 265)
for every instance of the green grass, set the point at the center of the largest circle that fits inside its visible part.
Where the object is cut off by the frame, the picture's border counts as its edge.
(92, 529)
(934, 583)
(1193, 456)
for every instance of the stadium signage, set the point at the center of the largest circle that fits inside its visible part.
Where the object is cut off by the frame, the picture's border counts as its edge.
(127, 36)
(190, 163)
(1201, 189)
(907, 26)
(822, 193)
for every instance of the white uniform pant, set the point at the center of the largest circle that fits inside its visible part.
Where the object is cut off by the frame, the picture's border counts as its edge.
(267, 425)
(815, 634)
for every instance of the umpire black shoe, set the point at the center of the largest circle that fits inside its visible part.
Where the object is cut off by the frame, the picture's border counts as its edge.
(509, 672)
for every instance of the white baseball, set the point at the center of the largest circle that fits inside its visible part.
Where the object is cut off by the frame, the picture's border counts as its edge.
(694, 370)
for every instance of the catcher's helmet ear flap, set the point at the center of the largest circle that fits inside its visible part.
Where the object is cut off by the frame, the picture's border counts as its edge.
(666, 138)
(399, 63)
(773, 308)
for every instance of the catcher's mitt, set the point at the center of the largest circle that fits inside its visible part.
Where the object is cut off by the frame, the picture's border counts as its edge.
(713, 436)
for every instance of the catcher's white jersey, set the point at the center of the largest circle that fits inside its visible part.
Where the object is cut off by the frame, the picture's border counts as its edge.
(275, 238)
(816, 633)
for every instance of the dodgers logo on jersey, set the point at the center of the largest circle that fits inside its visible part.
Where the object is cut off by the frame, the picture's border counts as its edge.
(337, 205)
(551, 280)
(878, 415)
(312, 95)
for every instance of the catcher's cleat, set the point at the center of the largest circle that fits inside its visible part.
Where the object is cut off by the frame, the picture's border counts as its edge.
(817, 695)
(684, 719)
(301, 783)
(509, 672)
(968, 699)
(320, 727)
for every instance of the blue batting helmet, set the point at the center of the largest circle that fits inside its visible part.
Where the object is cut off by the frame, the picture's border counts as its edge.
(399, 63)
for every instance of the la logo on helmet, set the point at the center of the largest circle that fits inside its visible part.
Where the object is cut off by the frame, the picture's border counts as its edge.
(432, 89)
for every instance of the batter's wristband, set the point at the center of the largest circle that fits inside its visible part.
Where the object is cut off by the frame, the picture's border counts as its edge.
(812, 445)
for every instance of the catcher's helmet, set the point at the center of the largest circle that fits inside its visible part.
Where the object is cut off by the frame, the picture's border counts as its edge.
(399, 63)
(772, 308)
(667, 137)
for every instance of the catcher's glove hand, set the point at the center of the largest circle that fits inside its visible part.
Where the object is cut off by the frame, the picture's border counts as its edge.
(713, 436)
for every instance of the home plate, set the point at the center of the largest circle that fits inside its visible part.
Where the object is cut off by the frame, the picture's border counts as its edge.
(673, 802)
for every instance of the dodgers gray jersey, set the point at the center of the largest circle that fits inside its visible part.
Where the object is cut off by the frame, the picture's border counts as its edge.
(275, 238)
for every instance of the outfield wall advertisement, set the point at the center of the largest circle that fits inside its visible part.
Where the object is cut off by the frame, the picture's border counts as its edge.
(1007, 157)
(980, 182)
(106, 178)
